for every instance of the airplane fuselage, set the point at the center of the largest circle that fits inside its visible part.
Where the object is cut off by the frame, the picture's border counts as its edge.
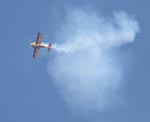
(40, 45)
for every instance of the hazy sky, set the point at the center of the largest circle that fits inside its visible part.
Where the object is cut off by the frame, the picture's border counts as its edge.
(27, 91)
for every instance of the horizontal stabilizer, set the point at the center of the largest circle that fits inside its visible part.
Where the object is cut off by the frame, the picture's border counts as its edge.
(49, 47)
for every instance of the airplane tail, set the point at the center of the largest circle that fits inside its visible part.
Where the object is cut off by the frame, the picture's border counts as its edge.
(49, 47)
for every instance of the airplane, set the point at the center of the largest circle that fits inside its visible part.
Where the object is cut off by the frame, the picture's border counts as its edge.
(38, 44)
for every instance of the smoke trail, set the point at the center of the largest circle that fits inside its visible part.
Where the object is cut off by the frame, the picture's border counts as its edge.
(87, 69)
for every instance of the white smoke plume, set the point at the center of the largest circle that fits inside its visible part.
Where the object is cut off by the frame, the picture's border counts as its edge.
(86, 68)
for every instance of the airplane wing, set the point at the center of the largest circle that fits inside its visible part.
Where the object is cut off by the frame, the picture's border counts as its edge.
(35, 53)
(39, 38)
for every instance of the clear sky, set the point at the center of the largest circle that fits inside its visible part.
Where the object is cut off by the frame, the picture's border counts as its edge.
(27, 93)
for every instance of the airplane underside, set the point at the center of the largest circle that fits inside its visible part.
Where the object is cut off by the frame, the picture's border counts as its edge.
(38, 44)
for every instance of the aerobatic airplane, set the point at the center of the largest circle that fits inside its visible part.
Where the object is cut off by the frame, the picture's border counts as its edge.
(38, 44)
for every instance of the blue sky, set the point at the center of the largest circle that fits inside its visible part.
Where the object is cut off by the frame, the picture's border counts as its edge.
(26, 89)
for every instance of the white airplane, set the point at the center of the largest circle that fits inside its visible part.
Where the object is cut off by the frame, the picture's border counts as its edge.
(38, 44)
